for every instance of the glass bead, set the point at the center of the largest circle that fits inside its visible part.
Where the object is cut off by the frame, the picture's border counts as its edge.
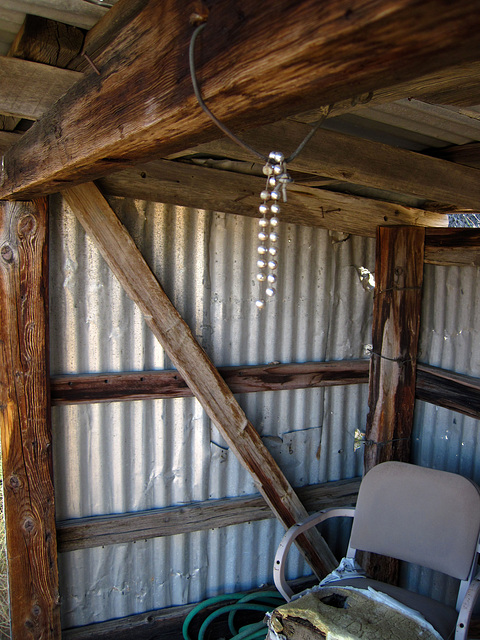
(275, 208)
(262, 236)
(260, 304)
(272, 251)
(263, 209)
(263, 222)
(270, 291)
(274, 221)
(271, 278)
(262, 250)
(273, 236)
(261, 277)
(267, 169)
(261, 264)
(275, 195)
(277, 170)
(272, 181)
(264, 195)
(272, 264)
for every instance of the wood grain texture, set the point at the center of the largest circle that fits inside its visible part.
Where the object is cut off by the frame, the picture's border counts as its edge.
(372, 164)
(201, 187)
(111, 387)
(96, 531)
(396, 322)
(395, 331)
(142, 104)
(128, 265)
(448, 389)
(28, 89)
(47, 41)
(25, 421)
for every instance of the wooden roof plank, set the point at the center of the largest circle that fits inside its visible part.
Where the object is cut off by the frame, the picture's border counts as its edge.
(142, 103)
(359, 161)
(28, 89)
(120, 252)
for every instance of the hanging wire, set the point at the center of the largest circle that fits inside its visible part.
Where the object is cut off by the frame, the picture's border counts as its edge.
(224, 128)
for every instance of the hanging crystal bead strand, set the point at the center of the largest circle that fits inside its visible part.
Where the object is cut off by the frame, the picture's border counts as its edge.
(277, 179)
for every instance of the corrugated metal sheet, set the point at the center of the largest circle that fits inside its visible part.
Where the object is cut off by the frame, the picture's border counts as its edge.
(123, 457)
(446, 439)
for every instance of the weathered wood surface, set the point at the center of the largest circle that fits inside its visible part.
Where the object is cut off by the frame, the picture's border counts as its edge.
(79, 14)
(143, 104)
(457, 85)
(395, 332)
(28, 89)
(450, 390)
(96, 531)
(466, 154)
(438, 386)
(212, 189)
(396, 323)
(109, 387)
(47, 41)
(372, 164)
(133, 273)
(25, 421)
(452, 246)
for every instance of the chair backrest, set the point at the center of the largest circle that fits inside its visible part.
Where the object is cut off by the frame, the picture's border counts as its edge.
(423, 516)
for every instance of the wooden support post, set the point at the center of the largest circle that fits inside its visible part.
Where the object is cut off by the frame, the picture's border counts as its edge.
(25, 421)
(133, 273)
(396, 324)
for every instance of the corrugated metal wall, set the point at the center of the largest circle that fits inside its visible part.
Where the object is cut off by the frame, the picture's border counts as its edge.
(120, 457)
(123, 457)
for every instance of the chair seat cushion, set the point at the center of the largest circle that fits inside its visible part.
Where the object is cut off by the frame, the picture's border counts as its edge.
(442, 618)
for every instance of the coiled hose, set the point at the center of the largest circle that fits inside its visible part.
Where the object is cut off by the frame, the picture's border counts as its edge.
(261, 601)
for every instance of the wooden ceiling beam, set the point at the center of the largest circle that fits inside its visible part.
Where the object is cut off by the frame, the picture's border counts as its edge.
(255, 67)
(359, 161)
(204, 188)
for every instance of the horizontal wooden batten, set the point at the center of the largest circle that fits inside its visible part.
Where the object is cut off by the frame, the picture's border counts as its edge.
(142, 104)
(84, 533)
(170, 384)
(440, 387)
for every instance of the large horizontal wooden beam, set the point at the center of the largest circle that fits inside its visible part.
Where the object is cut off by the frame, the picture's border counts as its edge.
(142, 103)
(351, 159)
(212, 189)
(96, 531)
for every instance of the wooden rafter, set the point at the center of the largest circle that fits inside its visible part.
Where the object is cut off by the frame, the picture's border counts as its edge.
(211, 189)
(359, 161)
(133, 273)
(143, 104)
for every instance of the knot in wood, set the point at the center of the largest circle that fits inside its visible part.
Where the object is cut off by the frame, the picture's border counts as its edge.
(26, 225)
(7, 253)
(36, 610)
(14, 482)
(29, 525)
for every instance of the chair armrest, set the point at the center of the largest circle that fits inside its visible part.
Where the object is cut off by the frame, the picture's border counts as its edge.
(466, 610)
(289, 538)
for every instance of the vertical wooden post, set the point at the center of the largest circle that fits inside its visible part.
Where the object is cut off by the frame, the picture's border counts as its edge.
(25, 420)
(396, 325)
